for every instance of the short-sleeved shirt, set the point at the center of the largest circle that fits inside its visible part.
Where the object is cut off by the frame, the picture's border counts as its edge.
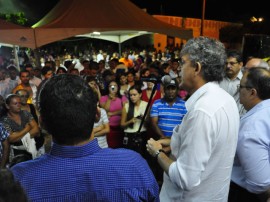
(12, 126)
(168, 116)
(102, 140)
(115, 105)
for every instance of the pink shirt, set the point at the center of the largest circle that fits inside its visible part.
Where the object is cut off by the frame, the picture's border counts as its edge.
(115, 105)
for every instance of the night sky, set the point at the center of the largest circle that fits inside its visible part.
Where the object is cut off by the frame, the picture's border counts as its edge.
(229, 10)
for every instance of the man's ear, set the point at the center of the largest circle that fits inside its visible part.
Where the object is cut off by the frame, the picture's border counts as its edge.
(254, 92)
(198, 68)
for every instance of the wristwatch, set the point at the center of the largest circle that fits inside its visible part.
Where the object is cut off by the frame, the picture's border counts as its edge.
(158, 152)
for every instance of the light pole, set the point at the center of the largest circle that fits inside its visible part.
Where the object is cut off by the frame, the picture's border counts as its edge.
(203, 15)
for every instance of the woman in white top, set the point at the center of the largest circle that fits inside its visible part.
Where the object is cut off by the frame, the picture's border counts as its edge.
(131, 119)
(102, 128)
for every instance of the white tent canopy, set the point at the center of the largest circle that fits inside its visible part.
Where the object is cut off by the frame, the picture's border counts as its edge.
(115, 36)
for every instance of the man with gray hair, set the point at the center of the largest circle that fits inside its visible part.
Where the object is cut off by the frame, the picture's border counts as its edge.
(203, 145)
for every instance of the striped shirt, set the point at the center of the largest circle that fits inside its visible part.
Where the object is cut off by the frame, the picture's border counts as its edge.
(168, 116)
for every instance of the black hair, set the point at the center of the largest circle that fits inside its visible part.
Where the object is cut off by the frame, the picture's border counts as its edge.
(118, 85)
(45, 70)
(23, 71)
(28, 65)
(90, 78)
(259, 78)
(61, 68)
(69, 113)
(8, 98)
(131, 108)
(10, 189)
(234, 54)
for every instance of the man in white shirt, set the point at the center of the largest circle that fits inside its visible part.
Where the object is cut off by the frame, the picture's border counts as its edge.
(33, 79)
(4, 87)
(231, 80)
(13, 78)
(100, 56)
(203, 146)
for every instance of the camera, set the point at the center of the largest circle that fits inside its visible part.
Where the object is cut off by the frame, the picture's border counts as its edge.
(112, 87)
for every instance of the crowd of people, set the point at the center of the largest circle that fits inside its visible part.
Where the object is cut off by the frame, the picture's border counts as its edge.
(192, 126)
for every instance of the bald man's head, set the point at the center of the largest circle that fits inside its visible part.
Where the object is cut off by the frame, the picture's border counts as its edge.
(256, 62)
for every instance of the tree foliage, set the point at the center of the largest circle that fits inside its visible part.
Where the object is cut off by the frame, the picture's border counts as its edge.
(16, 18)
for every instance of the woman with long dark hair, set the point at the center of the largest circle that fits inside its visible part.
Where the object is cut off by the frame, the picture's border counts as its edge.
(131, 120)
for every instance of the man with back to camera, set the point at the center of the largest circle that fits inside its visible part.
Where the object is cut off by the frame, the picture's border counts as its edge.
(203, 145)
(77, 169)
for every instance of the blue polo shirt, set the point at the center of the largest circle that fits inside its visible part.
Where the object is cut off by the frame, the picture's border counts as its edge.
(87, 173)
(168, 116)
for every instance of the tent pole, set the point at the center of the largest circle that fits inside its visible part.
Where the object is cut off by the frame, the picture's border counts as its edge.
(17, 63)
(120, 51)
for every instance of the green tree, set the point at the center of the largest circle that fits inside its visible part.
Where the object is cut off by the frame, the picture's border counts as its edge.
(16, 18)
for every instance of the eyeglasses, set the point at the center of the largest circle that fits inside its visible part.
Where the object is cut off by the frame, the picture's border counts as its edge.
(231, 63)
(239, 86)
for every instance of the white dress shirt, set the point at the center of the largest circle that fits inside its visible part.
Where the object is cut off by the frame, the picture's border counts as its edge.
(231, 86)
(204, 147)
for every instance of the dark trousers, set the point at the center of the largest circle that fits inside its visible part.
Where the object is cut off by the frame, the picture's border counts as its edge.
(239, 194)
(136, 142)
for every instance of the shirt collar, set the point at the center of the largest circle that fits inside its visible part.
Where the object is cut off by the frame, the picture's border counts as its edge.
(257, 107)
(75, 151)
(240, 75)
(178, 100)
(198, 93)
